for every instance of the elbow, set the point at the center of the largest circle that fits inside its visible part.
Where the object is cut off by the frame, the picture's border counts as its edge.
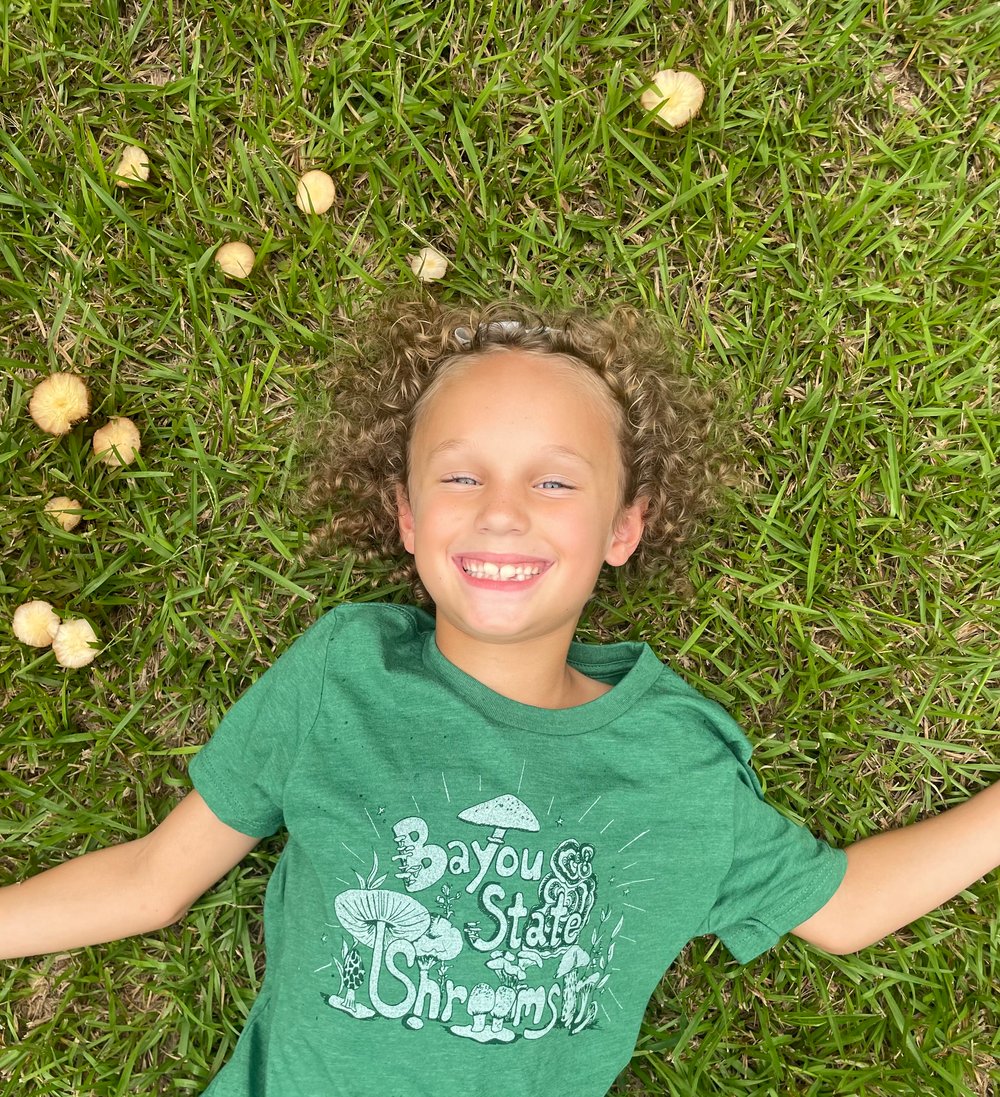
(841, 944)
(174, 915)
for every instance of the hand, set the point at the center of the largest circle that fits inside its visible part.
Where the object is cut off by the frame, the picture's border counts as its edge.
(126, 889)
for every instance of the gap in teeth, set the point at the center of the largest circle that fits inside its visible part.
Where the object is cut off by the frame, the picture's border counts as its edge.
(516, 573)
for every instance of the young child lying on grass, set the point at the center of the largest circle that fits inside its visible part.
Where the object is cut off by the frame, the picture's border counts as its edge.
(499, 838)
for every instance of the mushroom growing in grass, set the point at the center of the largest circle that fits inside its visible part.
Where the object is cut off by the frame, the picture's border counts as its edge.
(315, 192)
(235, 259)
(58, 402)
(75, 644)
(429, 265)
(35, 623)
(675, 97)
(65, 511)
(117, 442)
(133, 167)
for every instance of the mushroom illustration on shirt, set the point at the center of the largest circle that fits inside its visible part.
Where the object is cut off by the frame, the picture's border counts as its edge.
(376, 918)
(525, 931)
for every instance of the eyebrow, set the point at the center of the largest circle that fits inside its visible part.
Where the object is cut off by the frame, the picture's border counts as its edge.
(451, 444)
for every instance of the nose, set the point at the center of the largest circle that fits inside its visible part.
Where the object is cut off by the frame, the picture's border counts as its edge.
(501, 510)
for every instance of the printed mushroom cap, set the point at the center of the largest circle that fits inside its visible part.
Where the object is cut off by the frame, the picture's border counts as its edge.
(482, 998)
(360, 913)
(507, 812)
(504, 1001)
(442, 940)
(575, 957)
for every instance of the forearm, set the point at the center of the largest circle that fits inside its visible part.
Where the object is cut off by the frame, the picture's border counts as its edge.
(897, 876)
(100, 896)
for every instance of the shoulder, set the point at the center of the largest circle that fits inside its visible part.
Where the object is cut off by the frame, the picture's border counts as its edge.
(707, 727)
(374, 620)
(357, 632)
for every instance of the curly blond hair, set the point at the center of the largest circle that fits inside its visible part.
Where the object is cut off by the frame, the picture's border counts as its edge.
(668, 446)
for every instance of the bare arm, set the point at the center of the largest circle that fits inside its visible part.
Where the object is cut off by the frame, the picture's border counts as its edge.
(122, 890)
(895, 877)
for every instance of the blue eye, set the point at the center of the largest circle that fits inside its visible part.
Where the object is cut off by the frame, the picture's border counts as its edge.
(554, 484)
(459, 480)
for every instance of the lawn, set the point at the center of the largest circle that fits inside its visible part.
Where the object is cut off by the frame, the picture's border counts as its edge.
(822, 236)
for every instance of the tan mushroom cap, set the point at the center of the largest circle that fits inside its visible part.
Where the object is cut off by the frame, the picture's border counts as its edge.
(236, 259)
(67, 512)
(429, 265)
(75, 644)
(59, 401)
(35, 623)
(676, 97)
(133, 167)
(315, 192)
(117, 442)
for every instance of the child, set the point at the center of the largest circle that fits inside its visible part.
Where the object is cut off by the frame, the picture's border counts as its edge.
(498, 838)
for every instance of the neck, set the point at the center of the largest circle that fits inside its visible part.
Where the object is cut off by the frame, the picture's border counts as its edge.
(530, 672)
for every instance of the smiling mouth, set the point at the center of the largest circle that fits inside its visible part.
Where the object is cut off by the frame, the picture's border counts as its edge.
(502, 573)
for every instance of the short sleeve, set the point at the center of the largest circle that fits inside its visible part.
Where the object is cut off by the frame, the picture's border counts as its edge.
(242, 770)
(780, 875)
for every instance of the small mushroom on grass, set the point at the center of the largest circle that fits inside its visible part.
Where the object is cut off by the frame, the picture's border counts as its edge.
(59, 401)
(133, 167)
(75, 644)
(675, 97)
(429, 265)
(235, 259)
(35, 623)
(315, 192)
(117, 442)
(65, 511)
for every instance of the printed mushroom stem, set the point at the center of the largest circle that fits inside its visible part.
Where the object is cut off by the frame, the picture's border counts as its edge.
(503, 1006)
(481, 1002)
(376, 918)
(503, 813)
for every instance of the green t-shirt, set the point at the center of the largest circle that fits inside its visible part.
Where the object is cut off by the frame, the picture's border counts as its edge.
(477, 895)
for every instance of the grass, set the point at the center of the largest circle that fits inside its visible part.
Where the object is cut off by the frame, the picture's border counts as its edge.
(823, 235)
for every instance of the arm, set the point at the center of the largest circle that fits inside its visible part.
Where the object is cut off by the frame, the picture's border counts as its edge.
(895, 877)
(122, 890)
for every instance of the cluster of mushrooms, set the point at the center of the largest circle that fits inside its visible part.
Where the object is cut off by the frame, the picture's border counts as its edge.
(673, 99)
(62, 399)
(57, 403)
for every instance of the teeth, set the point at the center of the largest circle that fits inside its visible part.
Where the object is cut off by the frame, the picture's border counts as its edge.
(486, 569)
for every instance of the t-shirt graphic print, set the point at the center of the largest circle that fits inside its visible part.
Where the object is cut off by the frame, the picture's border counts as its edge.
(477, 890)
(491, 928)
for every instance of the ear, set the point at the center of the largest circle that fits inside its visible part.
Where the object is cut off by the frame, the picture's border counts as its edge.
(405, 515)
(627, 532)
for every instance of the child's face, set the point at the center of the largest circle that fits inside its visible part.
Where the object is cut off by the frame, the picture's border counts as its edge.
(513, 500)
